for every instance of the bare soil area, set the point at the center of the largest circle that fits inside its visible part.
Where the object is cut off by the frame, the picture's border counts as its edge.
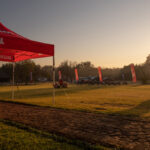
(113, 130)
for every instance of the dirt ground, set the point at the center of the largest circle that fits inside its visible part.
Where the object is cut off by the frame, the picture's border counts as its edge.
(115, 130)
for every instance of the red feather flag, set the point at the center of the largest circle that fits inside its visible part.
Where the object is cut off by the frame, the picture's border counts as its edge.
(59, 72)
(76, 74)
(133, 73)
(100, 74)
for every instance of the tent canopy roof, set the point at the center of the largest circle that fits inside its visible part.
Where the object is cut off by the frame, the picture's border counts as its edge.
(14, 47)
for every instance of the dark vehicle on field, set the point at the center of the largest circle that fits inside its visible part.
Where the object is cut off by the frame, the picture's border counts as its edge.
(84, 80)
(109, 81)
(95, 80)
(89, 80)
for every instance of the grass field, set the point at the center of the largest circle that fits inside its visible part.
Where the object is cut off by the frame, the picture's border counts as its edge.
(129, 99)
(19, 137)
(14, 138)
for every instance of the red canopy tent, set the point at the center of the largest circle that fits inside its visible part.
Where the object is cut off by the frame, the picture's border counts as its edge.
(14, 48)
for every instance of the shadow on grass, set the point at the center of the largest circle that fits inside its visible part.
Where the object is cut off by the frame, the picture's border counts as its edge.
(58, 138)
(138, 110)
(45, 92)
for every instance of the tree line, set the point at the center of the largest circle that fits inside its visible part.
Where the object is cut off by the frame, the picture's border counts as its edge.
(23, 71)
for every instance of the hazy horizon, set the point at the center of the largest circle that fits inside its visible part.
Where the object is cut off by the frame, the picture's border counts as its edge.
(107, 33)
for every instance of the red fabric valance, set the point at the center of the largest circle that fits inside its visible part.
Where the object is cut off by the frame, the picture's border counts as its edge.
(14, 47)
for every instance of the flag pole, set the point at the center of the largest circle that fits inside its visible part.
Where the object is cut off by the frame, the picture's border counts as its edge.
(13, 80)
(53, 80)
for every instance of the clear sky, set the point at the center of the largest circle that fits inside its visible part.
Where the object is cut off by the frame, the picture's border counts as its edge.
(109, 33)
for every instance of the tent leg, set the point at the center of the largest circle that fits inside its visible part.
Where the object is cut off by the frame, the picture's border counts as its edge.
(13, 80)
(53, 80)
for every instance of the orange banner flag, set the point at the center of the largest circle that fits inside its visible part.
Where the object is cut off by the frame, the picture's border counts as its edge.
(133, 73)
(100, 74)
(76, 74)
(59, 72)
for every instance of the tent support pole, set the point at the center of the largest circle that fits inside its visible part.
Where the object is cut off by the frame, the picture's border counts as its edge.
(13, 80)
(53, 80)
